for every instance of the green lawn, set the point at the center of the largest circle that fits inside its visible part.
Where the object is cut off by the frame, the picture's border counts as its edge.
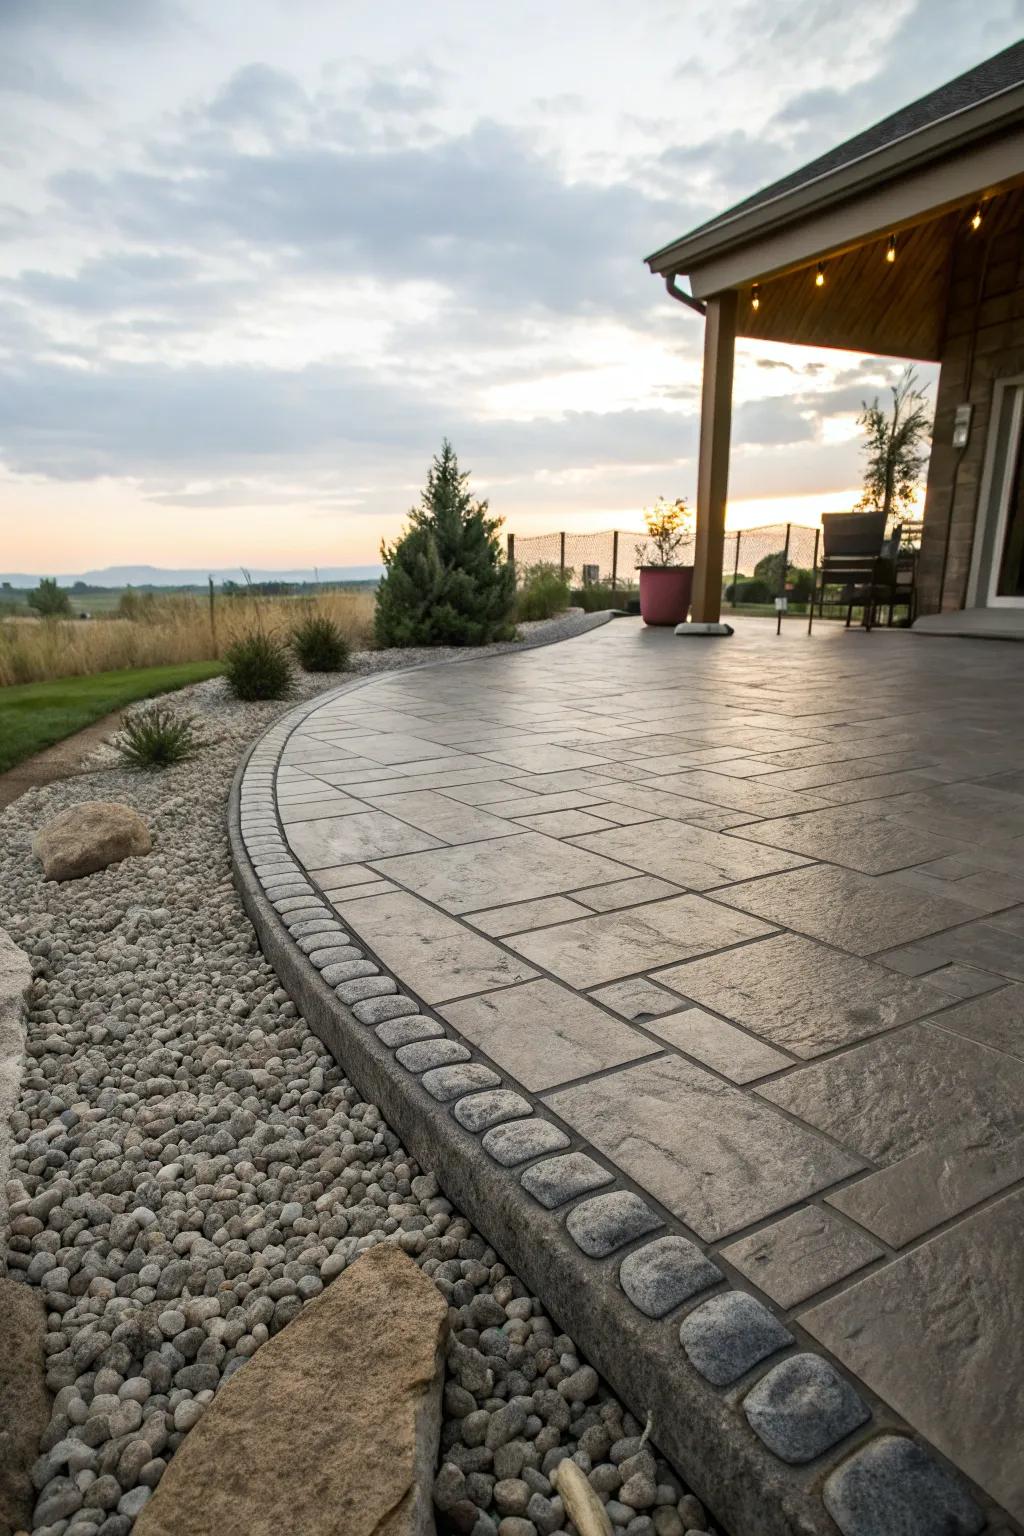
(35, 715)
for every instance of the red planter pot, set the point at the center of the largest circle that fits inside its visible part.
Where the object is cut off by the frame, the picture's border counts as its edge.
(665, 593)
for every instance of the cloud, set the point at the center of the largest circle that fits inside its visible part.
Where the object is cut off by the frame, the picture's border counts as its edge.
(480, 212)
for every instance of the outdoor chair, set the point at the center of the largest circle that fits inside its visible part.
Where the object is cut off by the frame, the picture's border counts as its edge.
(866, 567)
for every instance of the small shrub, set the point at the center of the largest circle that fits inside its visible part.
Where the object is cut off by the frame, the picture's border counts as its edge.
(319, 644)
(257, 666)
(155, 737)
(596, 599)
(749, 591)
(543, 591)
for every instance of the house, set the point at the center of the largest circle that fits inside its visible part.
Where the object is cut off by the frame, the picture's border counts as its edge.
(907, 240)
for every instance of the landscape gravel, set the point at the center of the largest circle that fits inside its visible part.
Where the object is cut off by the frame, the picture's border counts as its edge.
(191, 1167)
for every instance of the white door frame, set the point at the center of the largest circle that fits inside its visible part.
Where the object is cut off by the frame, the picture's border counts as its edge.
(994, 497)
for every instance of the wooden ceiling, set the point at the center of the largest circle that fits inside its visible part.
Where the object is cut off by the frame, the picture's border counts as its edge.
(868, 304)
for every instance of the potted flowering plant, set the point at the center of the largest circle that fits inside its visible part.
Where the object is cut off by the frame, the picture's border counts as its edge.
(665, 583)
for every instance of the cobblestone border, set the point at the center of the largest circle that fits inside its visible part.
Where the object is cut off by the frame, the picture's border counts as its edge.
(766, 1430)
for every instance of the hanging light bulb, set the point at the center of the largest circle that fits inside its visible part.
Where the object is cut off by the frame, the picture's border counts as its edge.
(819, 276)
(976, 218)
(755, 296)
(890, 252)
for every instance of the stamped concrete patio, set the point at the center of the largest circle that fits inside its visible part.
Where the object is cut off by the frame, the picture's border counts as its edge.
(746, 920)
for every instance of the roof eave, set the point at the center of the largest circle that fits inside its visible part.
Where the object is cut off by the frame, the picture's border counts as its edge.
(924, 146)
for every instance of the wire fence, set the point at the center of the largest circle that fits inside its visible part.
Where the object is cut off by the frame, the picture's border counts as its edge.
(753, 565)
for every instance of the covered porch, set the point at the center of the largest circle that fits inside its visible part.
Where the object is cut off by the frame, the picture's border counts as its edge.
(907, 241)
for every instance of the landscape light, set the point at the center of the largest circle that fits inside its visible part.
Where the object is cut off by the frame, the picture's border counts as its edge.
(755, 296)
(890, 254)
(976, 218)
(819, 276)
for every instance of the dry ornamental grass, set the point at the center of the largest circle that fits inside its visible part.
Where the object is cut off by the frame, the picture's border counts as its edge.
(175, 629)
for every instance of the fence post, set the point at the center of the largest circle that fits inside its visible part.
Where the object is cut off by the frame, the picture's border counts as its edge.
(736, 568)
(814, 581)
(561, 554)
(782, 582)
(213, 622)
(615, 558)
(510, 553)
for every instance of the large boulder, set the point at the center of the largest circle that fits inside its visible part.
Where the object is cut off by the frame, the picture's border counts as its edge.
(24, 1400)
(88, 837)
(15, 980)
(331, 1429)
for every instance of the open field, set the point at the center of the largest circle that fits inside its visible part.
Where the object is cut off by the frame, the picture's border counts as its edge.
(35, 715)
(170, 630)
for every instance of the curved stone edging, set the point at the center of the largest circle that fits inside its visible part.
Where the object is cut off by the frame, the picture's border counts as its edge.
(765, 1429)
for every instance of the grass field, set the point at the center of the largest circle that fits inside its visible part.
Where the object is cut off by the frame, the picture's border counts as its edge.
(35, 715)
(168, 630)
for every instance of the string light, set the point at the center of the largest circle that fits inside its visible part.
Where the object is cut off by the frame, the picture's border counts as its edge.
(890, 254)
(755, 296)
(976, 218)
(819, 276)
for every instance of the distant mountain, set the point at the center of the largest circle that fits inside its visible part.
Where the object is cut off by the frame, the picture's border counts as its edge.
(158, 576)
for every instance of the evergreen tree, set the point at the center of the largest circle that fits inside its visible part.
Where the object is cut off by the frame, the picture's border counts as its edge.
(446, 581)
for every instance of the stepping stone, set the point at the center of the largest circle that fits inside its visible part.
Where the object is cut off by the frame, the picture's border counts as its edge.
(601, 1225)
(395, 1032)
(486, 1109)
(563, 1178)
(448, 1083)
(729, 1335)
(803, 1407)
(424, 1054)
(360, 1367)
(892, 1484)
(523, 1139)
(665, 1273)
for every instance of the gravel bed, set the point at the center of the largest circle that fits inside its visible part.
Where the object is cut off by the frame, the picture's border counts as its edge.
(190, 1167)
(537, 632)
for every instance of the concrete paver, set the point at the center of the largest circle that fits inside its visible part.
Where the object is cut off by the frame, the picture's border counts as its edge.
(742, 928)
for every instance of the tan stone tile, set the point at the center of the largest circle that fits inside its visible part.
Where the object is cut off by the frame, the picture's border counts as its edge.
(543, 1034)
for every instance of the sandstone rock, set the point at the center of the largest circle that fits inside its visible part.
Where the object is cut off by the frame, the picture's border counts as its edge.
(331, 1428)
(15, 979)
(88, 837)
(24, 1401)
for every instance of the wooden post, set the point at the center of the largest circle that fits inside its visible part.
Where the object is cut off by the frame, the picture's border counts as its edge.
(510, 555)
(814, 581)
(213, 622)
(615, 557)
(561, 554)
(713, 462)
(736, 570)
(782, 582)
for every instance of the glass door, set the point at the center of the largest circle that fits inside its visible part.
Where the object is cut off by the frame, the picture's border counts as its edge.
(997, 579)
(1010, 571)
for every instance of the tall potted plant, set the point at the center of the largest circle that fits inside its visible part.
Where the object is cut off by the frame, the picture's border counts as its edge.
(665, 582)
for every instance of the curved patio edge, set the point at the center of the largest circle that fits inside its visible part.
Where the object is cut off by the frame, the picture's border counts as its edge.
(719, 1437)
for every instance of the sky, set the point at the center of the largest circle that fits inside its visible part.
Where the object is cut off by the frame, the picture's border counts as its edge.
(258, 257)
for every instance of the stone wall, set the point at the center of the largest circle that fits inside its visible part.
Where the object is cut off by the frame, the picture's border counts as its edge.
(984, 341)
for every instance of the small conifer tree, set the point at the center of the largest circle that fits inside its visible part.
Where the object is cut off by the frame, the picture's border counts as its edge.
(446, 581)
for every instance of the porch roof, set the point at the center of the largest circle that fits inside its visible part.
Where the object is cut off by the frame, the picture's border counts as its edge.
(911, 176)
